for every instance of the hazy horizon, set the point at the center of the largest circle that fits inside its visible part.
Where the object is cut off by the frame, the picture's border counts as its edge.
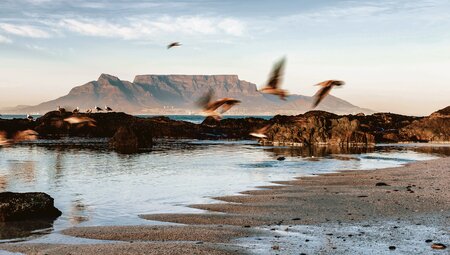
(392, 54)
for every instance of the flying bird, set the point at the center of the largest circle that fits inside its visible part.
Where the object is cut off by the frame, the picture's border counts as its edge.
(98, 109)
(275, 78)
(3, 139)
(77, 110)
(89, 111)
(80, 120)
(174, 44)
(260, 133)
(25, 135)
(108, 109)
(210, 107)
(325, 90)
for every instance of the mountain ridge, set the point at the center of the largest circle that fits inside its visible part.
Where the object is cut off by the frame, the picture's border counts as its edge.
(177, 93)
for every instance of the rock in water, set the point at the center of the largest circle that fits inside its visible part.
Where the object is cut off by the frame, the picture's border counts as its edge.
(129, 140)
(281, 158)
(125, 140)
(27, 206)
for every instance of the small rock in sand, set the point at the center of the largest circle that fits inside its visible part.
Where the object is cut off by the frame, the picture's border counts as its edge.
(378, 184)
(428, 241)
(392, 247)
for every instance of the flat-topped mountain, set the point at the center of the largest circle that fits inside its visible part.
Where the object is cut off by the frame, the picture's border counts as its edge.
(176, 94)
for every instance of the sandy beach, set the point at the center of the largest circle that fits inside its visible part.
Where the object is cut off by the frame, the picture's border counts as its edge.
(394, 210)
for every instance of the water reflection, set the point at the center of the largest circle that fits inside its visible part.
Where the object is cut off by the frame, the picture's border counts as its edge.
(78, 212)
(3, 183)
(25, 229)
(316, 151)
(22, 170)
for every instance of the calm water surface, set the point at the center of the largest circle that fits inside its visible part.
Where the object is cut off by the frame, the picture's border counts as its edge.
(92, 185)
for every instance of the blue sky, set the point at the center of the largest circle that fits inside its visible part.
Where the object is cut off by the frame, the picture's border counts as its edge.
(394, 55)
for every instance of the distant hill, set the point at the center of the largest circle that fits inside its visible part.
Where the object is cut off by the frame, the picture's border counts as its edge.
(176, 94)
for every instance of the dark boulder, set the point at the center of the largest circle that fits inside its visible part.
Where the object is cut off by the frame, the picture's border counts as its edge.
(26, 206)
(129, 140)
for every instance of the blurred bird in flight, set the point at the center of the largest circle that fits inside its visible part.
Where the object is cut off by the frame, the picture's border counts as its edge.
(210, 107)
(174, 44)
(275, 78)
(325, 90)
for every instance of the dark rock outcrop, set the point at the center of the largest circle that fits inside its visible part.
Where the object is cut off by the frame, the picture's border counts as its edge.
(318, 128)
(311, 128)
(434, 128)
(26, 206)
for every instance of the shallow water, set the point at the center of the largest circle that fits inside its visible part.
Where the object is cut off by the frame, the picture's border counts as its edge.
(92, 185)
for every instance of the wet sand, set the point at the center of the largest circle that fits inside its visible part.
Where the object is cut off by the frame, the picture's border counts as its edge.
(399, 207)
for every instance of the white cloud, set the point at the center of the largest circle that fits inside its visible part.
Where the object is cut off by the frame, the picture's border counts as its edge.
(24, 30)
(232, 27)
(141, 28)
(5, 40)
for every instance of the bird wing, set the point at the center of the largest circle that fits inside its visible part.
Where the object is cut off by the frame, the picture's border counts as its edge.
(276, 74)
(25, 135)
(263, 129)
(321, 94)
(325, 83)
(216, 104)
(173, 45)
(77, 120)
(228, 104)
(205, 100)
(3, 138)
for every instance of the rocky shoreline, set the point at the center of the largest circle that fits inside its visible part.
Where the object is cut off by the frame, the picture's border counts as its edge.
(313, 128)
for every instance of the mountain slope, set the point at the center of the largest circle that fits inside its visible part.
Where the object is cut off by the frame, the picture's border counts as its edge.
(176, 94)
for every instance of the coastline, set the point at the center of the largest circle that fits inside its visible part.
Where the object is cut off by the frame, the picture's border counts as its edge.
(415, 195)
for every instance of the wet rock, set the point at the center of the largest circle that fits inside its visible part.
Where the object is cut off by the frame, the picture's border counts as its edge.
(129, 140)
(438, 246)
(281, 158)
(26, 206)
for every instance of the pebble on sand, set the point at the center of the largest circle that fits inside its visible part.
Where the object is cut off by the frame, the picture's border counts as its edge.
(378, 184)
(438, 246)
